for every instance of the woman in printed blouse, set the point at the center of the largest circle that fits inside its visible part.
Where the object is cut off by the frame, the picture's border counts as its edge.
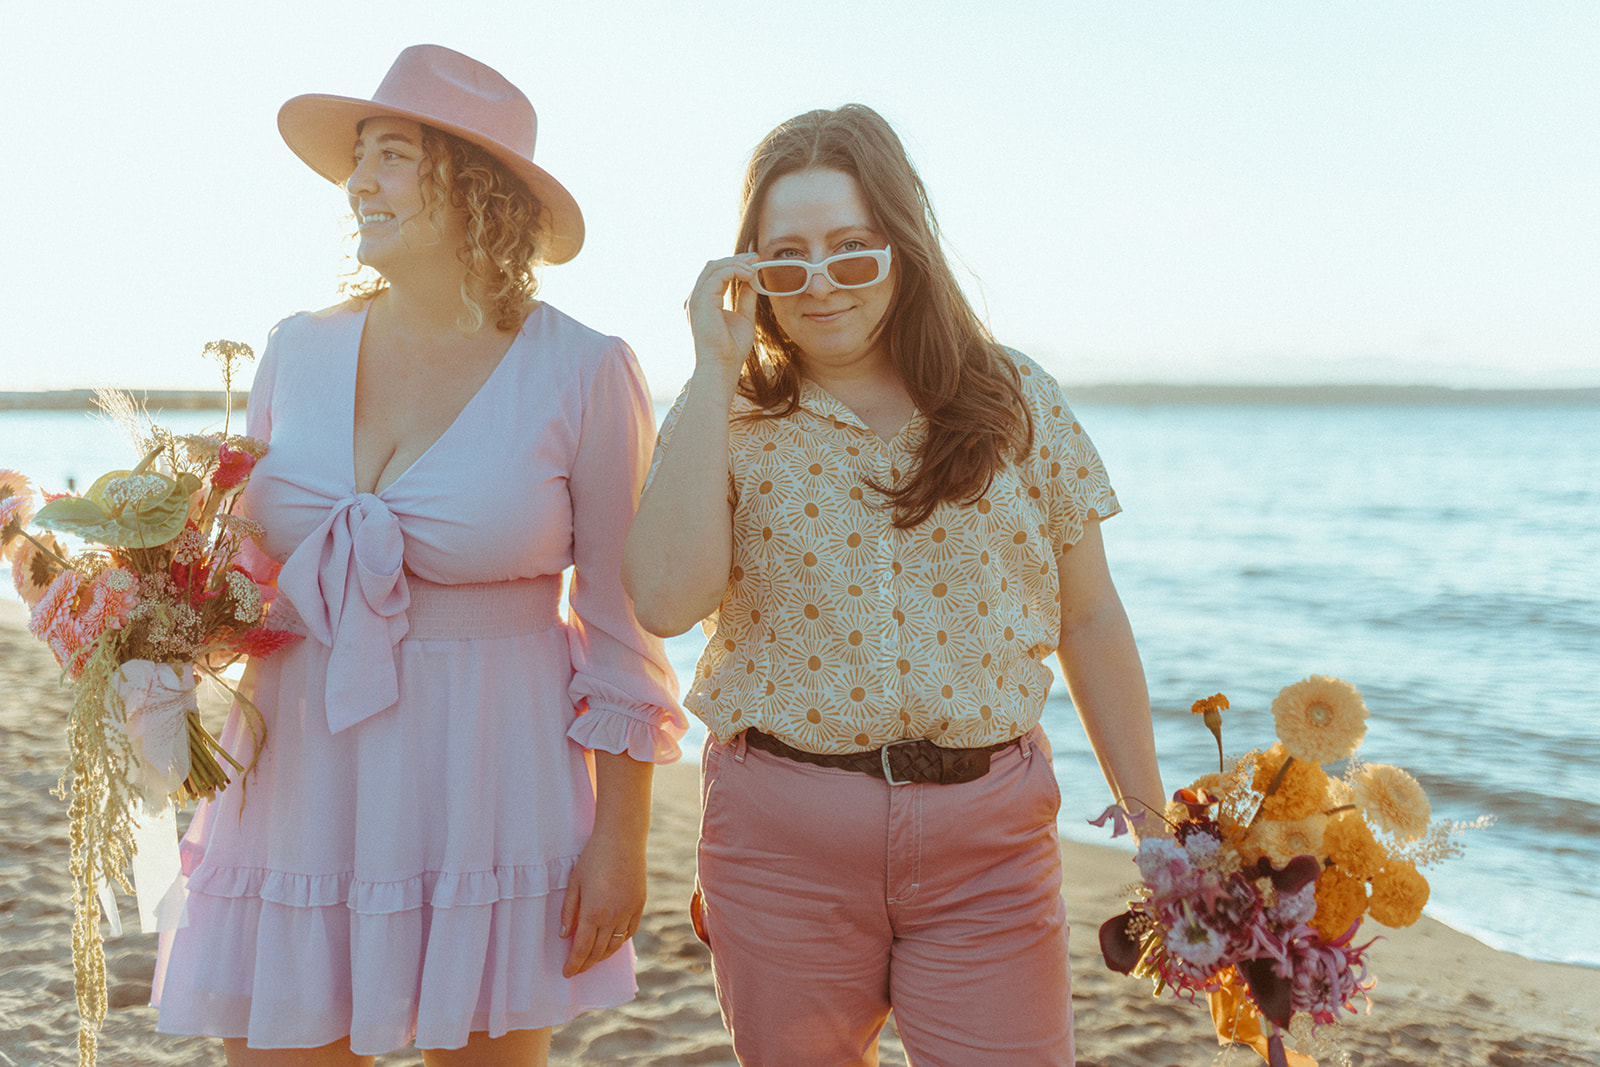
(887, 521)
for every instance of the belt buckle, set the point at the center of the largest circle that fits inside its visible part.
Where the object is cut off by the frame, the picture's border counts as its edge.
(883, 755)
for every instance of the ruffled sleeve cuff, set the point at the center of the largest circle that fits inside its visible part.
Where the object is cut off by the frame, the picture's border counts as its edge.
(612, 722)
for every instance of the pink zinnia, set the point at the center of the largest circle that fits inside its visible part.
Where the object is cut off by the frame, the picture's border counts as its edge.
(116, 593)
(57, 600)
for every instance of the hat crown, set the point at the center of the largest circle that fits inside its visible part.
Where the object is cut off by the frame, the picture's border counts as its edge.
(460, 91)
(453, 93)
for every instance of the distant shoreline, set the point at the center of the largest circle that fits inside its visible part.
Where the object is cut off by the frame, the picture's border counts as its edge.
(154, 399)
(1152, 394)
(1131, 393)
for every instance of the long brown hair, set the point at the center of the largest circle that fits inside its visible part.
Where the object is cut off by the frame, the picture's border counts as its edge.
(958, 377)
(505, 236)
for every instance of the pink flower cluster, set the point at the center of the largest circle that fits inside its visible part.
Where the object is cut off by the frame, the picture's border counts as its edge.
(1204, 919)
(72, 614)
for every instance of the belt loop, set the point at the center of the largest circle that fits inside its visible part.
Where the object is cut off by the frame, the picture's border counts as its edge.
(738, 746)
(1026, 743)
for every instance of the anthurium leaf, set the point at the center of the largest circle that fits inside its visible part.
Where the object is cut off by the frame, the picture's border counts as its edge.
(145, 524)
(1271, 993)
(1118, 945)
(157, 520)
(1291, 877)
(80, 517)
(97, 491)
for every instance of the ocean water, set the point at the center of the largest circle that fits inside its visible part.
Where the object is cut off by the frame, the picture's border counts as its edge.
(1445, 560)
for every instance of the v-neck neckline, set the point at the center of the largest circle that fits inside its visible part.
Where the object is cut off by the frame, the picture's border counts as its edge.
(355, 370)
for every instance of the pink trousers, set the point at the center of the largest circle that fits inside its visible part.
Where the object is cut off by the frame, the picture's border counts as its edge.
(830, 897)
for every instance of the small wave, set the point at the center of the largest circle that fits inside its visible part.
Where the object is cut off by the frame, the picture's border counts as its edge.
(1536, 813)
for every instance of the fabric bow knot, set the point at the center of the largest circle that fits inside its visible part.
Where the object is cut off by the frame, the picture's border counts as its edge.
(347, 581)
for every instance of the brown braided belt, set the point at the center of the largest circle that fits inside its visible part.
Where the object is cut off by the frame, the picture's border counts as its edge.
(916, 761)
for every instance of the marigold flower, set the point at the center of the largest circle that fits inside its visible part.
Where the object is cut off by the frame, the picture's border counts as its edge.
(1320, 719)
(1300, 792)
(1398, 893)
(1350, 844)
(1393, 800)
(1341, 900)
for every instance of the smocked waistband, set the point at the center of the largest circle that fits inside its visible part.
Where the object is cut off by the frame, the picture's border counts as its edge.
(465, 612)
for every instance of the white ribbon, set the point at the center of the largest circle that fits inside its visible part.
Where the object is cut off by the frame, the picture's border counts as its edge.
(156, 701)
(159, 886)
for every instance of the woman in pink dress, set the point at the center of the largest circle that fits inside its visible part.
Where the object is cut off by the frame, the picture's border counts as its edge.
(443, 841)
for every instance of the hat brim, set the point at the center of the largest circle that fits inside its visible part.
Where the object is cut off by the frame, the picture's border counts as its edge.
(322, 131)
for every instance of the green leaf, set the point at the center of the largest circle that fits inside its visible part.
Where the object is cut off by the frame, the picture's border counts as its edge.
(147, 524)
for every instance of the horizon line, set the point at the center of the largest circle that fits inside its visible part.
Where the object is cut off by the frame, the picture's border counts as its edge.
(1133, 392)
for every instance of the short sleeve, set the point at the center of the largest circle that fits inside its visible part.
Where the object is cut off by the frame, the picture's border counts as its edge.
(664, 438)
(1066, 460)
(664, 434)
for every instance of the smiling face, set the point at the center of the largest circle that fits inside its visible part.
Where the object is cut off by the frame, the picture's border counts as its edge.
(395, 222)
(811, 215)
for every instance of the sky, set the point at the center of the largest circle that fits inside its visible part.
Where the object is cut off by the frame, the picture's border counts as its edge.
(1362, 192)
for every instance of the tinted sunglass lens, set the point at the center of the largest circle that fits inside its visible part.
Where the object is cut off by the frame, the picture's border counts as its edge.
(782, 278)
(857, 270)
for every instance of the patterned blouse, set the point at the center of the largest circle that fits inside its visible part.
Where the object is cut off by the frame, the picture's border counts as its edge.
(839, 633)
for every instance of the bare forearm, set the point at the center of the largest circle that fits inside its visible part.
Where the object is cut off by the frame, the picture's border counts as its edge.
(680, 547)
(1107, 685)
(622, 797)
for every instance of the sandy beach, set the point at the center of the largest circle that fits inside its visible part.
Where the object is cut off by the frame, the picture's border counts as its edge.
(1441, 998)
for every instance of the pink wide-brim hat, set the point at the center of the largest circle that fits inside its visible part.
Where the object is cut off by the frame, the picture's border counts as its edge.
(450, 92)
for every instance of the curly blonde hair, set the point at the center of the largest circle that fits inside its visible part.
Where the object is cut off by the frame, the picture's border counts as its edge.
(505, 232)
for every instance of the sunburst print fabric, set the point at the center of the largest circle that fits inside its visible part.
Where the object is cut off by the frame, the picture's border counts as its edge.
(839, 633)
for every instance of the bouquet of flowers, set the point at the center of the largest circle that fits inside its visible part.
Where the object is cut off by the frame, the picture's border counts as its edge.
(159, 591)
(1258, 898)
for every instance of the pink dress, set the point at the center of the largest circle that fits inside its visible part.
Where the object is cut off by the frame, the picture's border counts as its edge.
(394, 868)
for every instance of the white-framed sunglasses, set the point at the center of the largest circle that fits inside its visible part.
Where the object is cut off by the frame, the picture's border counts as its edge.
(848, 270)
